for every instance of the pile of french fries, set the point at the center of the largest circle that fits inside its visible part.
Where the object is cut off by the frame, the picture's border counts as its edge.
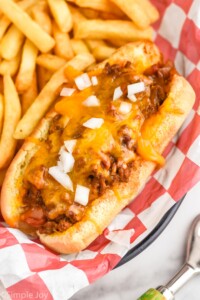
(42, 40)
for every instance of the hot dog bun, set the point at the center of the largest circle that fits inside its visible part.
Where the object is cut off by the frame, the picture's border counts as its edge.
(159, 129)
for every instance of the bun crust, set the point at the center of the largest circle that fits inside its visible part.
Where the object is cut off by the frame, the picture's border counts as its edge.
(159, 129)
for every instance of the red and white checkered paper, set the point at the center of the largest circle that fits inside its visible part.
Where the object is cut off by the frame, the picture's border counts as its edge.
(29, 271)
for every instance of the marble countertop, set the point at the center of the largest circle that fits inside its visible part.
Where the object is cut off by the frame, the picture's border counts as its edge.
(155, 265)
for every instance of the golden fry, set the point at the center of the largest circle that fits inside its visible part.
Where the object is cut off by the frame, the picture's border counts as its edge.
(2, 176)
(103, 52)
(92, 44)
(27, 67)
(10, 66)
(142, 12)
(30, 95)
(77, 16)
(1, 112)
(63, 47)
(42, 18)
(12, 113)
(48, 95)
(61, 14)
(100, 5)
(117, 43)
(50, 61)
(42, 5)
(79, 46)
(90, 13)
(1, 84)
(23, 22)
(5, 22)
(11, 43)
(43, 76)
(111, 29)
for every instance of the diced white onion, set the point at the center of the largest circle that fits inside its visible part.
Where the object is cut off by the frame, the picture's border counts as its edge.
(82, 195)
(117, 93)
(94, 80)
(67, 92)
(83, 81)
(70, 145)
(61, 150)
(91, 101)
(125, 107)
(94, 123)
(132, 98)
(135, 88)
(61, 177)
(66, 161)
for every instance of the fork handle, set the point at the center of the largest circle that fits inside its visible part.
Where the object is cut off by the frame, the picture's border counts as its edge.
(152, 294)
(168, 291)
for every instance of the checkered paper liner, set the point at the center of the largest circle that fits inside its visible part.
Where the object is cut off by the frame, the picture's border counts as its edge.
(29, 271)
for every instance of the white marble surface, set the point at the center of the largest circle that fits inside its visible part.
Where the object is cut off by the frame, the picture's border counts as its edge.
(156, 265)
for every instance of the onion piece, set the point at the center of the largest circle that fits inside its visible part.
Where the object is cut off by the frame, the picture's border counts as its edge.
(94, 80)
(125, 107)
(83, 81)
(135, 88)
(132, 97)
(61, 178)
(91, 101)
(82, 195)
(94, 123)
(70, 145)
(61, 150)
(117, 93)
(66, 161)
(67, 92)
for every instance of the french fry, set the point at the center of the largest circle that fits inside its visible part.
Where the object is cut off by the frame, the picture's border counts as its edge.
(77, 16)
(61, 14)
(1, 84)
(117, 43)
(90, 13)
(27, 67)
(23, 22)
(48, 95)
(110, 16)
(5, 22)
(42, 18)
(2, 176)
(30, 95)
(103, 52)
(50, 61)
(1, 112)
(150, 9)
(42, 5)
(142, 12)
(43, 76)
(92, 44)
(11, 43)
(79, 46)
(10, 66)
(111, 29)
(63, 47)
(12, 113)
(100, 5)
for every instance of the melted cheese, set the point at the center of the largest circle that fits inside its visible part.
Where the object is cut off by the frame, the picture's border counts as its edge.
(148, 152)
